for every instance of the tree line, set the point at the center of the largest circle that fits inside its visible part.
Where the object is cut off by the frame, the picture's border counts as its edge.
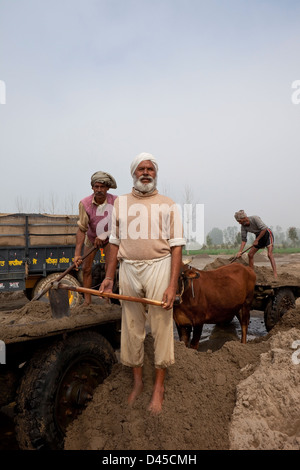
(231, 237)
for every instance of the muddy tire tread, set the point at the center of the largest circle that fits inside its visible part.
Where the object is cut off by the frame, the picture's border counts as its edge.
(35, 427)
(274, 311)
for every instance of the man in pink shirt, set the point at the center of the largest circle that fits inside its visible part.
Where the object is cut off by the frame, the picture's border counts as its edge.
(94, 224)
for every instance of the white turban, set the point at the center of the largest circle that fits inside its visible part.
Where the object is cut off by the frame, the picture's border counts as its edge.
(239, 215)
(140, 158)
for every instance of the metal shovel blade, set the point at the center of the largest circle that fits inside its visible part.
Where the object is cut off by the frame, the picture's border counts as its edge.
(59, 302)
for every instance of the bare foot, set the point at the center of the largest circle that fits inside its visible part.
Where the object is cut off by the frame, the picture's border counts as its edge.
(136, 391)
(157, 399)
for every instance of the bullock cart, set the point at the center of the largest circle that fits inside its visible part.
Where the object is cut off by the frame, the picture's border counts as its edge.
(273, 296)
(50, 367)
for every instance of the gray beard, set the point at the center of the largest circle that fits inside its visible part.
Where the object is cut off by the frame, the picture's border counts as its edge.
(144, 188)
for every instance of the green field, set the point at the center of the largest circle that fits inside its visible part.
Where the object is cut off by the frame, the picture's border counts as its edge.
(233, 251)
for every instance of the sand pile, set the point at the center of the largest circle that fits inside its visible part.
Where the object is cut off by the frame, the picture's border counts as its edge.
(238, 397)
(264, 275)
(267, 411)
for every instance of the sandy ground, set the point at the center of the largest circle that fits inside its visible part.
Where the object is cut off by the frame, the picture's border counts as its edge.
(224, 396)
(239, 397)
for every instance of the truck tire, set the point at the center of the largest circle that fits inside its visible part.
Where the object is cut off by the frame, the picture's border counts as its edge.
(57, 384)
(283, 301)
(75, 298)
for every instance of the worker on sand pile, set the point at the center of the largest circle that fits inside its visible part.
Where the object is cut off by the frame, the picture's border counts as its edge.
(264, 237)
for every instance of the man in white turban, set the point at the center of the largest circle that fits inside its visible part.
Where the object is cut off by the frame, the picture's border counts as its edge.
(142, 157)
(147, 240)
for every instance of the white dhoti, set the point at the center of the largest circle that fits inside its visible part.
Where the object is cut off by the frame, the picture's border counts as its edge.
(148, 279)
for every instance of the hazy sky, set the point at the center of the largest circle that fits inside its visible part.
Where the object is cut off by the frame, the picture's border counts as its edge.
(205, 86)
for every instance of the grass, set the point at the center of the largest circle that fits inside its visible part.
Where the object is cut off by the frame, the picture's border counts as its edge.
(287, 250)
(233, 251)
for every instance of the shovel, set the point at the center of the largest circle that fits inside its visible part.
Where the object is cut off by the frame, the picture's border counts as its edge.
(60, 306)
(70, 268)
(235, 257)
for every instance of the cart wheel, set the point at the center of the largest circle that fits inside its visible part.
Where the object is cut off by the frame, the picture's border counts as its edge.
(74, 297)
(57, 384)
(283, 301)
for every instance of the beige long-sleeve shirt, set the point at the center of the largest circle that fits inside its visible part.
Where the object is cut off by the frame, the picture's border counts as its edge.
(145, 226)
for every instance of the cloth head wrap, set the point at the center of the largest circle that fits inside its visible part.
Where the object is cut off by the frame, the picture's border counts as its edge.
(104, 178)
(140, 158)
(240, 215)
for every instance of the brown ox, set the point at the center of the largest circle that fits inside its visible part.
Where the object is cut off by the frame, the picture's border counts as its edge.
(214, 296)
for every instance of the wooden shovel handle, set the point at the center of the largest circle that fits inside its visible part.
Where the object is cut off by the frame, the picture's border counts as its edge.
(247, 249)
(85, 290)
